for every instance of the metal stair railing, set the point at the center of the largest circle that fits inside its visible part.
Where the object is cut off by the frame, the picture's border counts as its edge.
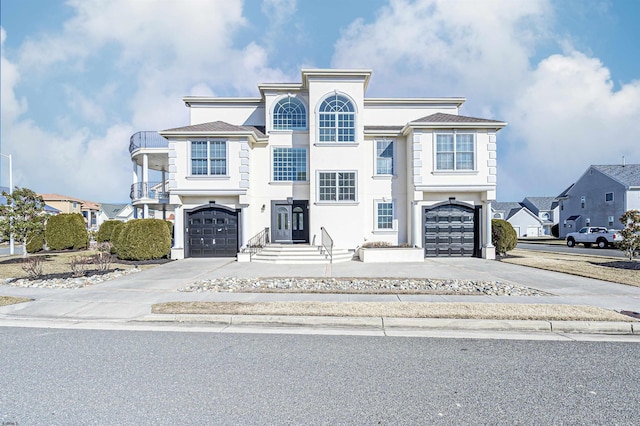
(258, 242)
(327, 243)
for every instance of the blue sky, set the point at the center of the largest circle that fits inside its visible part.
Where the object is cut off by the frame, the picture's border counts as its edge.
(80, 76)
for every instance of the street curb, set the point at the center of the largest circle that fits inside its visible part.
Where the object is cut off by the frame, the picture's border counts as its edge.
(384, 323)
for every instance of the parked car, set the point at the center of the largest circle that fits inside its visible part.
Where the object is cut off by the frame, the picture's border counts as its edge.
(598, 235)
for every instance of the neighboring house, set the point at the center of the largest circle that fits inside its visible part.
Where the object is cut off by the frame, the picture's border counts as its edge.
(523, 220)
(51, 210)
(108, 211)
(318, 158)
(546, 208)
(66, 204)
(599, 197)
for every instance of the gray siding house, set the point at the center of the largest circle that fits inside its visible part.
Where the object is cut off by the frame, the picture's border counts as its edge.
(601, 195)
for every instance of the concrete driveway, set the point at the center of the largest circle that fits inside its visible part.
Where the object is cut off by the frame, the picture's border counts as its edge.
(132, 296)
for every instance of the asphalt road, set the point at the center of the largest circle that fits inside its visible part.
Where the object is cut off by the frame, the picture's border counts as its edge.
(69, 377)
(556, 248)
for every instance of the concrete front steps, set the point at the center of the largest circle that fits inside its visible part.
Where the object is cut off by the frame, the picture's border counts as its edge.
(299, 254)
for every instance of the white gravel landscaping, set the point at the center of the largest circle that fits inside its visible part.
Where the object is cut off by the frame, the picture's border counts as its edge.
(361, 285)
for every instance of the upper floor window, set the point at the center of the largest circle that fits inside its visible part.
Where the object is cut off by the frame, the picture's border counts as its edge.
(608, 197)
(545, 216)
(384, 157)
(289, 114)
(337, 120)
(337, 186)
(455, 151)
(289, 164)
(208, 158)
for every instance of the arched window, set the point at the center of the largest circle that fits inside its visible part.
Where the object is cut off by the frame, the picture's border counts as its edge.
(289, 114)
(337, 120)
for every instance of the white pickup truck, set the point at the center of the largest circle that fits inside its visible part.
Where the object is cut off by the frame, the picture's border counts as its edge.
(598, 235)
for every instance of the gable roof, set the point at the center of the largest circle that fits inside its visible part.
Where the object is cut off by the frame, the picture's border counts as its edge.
(58, 197)
(628, 175)
(89, 205)
(509, 208)
(543, 203)
(112, 210)
(440, 117)
(218, 127)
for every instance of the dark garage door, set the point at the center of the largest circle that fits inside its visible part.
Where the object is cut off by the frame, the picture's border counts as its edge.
(450, 230)
(212, 232)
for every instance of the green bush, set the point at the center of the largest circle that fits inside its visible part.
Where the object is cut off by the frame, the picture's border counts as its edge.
(170, 226)
(555, 230)
(35, 241)
(144, 239)
(105, 231)
(503, 236)
(66, 231)
(115, 236)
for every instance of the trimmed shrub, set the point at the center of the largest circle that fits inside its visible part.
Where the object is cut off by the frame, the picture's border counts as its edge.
(115, 236)
(555, 230)
(170, 225)
(35, 242)
(66, 231)
(144, 239)
(105, 231)
(503, 236)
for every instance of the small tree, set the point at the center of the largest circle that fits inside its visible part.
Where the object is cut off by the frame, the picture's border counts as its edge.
(22, 216)
(631, 233)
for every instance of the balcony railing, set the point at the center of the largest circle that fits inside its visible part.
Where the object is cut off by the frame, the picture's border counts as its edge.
(149, 190)
(147, 140)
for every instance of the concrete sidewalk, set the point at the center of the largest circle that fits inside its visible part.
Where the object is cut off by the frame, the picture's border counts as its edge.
(129, 298)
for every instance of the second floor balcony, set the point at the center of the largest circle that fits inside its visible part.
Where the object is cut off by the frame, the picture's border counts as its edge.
(147, 140)
(149, 191)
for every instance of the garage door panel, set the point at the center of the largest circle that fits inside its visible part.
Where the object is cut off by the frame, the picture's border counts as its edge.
(213, 232)
(449, 231)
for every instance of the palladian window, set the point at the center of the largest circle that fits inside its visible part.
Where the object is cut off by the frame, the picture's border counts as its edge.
(337, 120)
(289, 114)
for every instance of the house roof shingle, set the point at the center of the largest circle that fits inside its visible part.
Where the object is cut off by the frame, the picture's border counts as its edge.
(219, 127)
(440, 117)
(509, 207)
(90, 205)
(112, 210)
(628, 175)
(543, 203)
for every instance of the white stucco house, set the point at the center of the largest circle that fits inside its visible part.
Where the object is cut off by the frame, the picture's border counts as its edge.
(320, 154)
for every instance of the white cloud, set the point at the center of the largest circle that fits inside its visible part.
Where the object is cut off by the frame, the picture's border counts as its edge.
(12, 107)
(568, 118)
(563, 113)
(146, 55)
(446, 48)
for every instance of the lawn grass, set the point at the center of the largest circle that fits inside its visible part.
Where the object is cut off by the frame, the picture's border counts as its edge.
(10, 300)
(493, 311)
(53, 263)
(611, 269)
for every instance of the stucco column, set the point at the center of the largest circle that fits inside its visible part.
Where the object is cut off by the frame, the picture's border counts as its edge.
(244, 230)
(145, 175)
(416, 225)
(164, 190)
(488, 250)
(177, 251)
